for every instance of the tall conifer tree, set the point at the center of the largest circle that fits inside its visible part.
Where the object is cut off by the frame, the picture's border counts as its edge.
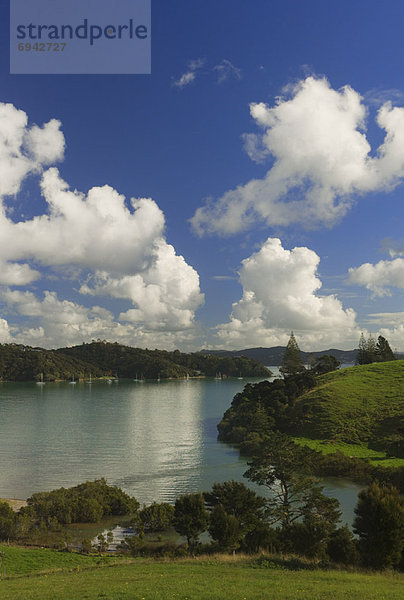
(292, 363)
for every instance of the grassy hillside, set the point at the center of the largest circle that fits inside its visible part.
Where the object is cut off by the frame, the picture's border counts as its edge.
(358, 411)
(355, 404)
(216, 578)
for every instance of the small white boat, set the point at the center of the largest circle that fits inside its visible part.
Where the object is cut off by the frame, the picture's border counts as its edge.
(41, 382)
(72, 382)
(89, 381)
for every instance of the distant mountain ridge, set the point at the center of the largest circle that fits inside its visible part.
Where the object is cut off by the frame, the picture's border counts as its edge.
(274, 356)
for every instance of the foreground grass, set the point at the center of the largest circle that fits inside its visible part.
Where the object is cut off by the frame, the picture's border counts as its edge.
(15, 560)
(202, 579)
(376, 457)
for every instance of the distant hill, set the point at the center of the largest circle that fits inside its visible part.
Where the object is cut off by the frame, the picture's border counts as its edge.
(24, 363)
(126, 361)
(273, 356)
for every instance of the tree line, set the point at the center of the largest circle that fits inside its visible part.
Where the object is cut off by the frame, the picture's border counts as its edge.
(294, 517)
(103, 359)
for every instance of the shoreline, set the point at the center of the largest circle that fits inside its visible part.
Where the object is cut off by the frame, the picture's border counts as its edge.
(15, 503)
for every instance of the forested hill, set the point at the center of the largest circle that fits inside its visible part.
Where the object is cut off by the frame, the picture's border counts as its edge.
(24, 363)
(126, 361)
(274, 356)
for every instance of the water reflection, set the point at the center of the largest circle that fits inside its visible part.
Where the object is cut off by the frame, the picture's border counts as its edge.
(155, 440)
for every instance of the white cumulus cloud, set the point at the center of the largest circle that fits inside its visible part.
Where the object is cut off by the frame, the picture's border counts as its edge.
(321, 158)
(24, 149)
(379, 277)
(118, 247)
(280, 294)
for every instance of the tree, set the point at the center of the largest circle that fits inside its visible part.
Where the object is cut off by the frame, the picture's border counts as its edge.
(190, 517)
(383, 350)
(225, 529)
(325, 364)
(157, 517)
(379, 523)
(7, 521)
(281, 466)
(342, 547)
(320, 515)
(367, 351)
(238, 501)
(362, 356)
(292, 363)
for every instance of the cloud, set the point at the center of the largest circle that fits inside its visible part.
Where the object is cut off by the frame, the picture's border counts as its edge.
(280, 294)
(189, 76)
(393, 247)
(57, 323)
(166, 295)
(226, 70)
(394, 318)
(380, 276)
(112, 247)
(25, 150)
(321, 159)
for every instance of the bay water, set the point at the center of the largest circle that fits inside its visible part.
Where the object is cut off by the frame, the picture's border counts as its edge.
(155, 440)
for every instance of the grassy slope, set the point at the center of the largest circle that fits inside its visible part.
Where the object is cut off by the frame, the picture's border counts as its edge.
(237, 578)
(362, 395)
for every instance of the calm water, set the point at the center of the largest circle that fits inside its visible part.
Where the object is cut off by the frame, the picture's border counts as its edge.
(155, 440)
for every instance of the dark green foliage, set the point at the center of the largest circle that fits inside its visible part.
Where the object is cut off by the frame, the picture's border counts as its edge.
(325, 364)
(225, 529)
(369, 351)
(383, 351)
(320, 516)
(157, 517)
(379, 523)
(342, 547)
(366, 351)
(263, 407)
(151, 364)
(191, 517)
(134, 543)
(87, 502)
(237, 500)
(7, 522)
(283, 468)
(292, 363)
(23, 363)
(86, 546)
(262, 537)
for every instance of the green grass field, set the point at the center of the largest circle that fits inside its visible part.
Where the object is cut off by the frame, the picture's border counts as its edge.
(355, 404)
(376, 457)
(216, 578)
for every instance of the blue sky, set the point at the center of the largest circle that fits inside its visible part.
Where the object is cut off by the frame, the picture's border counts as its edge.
(266, 177)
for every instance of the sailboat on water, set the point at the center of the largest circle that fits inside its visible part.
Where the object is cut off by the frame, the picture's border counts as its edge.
(72, 382)
(41, 381)
(89, 381)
